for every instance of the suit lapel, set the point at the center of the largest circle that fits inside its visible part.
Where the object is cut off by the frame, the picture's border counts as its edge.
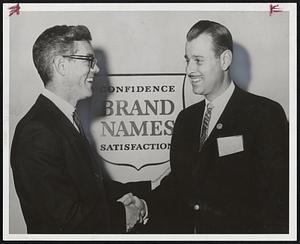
(228, 117)
(57, 117)
(192, 128)
(228, 121)
(59, 120)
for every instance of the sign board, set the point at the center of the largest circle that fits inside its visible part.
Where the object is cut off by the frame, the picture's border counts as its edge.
(133, 138)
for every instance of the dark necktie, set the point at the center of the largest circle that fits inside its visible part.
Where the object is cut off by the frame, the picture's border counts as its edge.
(96, 168)
(204, 126)
(78, 123)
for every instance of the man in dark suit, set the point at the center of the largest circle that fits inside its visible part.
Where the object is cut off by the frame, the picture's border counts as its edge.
(229, 152)
(58, 182)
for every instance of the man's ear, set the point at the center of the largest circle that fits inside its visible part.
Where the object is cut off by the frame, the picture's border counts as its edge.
(60, 65)
(226, 59)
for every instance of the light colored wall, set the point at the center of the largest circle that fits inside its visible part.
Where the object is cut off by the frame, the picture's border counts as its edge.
(145, 42)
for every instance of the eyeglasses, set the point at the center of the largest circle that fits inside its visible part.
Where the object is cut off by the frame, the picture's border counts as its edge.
(90, 58)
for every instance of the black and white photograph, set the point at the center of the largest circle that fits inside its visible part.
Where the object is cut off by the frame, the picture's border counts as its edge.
(153, 121)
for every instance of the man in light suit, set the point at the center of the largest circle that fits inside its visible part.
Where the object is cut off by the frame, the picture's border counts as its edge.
(229, 152)
(58, 182)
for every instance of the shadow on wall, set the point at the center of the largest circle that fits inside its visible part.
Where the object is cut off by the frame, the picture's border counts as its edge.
(240, 69)
(93, 107)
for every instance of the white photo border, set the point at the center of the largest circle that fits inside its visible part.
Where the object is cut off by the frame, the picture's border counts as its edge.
(290, 7)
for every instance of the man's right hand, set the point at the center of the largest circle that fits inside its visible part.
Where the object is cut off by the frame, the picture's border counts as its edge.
(135, 210)
(132, 216)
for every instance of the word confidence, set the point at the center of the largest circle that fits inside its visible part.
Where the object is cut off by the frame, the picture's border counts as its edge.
(111, 89)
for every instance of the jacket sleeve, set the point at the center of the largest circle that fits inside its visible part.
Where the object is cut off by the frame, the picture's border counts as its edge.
(273, 155)
(162, 201)
(50, 200)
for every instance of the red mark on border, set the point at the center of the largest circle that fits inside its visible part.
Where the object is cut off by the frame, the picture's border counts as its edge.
(274, 9)
(14, 9)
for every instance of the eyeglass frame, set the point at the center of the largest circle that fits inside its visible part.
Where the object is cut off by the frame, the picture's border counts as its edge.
(90, 58)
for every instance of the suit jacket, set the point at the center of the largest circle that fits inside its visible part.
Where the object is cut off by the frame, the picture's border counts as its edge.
(56, 177)
(242, 192)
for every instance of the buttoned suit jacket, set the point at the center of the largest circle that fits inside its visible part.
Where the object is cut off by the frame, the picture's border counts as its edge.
(242, 192)
(57, 180)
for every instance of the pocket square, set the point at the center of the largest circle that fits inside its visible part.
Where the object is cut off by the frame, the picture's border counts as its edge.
(230, 144)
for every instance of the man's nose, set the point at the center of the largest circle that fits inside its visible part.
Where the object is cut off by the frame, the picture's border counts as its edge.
(190, 67)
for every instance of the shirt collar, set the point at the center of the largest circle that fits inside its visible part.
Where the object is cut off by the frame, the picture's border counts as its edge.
(223, 98)
(64, 106)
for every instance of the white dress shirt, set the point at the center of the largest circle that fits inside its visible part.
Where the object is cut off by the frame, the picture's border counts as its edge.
(63, 106)
(218, 104)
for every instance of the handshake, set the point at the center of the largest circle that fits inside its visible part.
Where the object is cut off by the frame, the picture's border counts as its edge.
(136, 210)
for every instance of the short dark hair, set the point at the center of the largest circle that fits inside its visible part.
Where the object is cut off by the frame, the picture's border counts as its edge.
(222, 39)
(57, 40)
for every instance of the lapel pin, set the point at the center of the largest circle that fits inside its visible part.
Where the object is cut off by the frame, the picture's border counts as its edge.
(219, 126)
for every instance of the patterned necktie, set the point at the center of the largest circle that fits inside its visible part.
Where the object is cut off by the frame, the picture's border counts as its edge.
(78, 123)
(204, 126)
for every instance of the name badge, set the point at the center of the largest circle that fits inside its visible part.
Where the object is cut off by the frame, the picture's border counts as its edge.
(230, 144)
